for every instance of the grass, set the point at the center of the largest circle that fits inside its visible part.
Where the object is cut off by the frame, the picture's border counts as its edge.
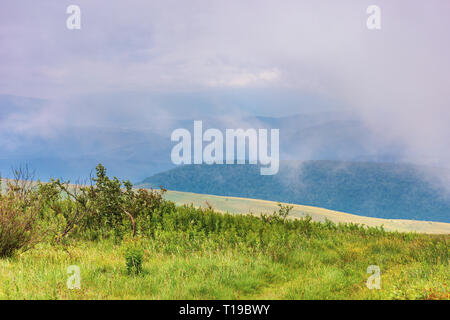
(246, 205)
(320, 268)
(133, 244)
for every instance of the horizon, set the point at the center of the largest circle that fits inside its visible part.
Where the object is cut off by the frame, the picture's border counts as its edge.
(255, 150)
(112, 91)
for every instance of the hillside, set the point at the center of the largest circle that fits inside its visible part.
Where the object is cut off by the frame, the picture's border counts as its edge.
(382, 190)
(182, 252)
(136, 147)
(255, 206)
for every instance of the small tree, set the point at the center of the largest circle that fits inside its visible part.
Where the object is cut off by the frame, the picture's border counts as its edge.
(112, 200)
(278, 216)
(19, 212)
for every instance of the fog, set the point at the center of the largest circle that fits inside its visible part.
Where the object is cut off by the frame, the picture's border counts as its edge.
(201, 53)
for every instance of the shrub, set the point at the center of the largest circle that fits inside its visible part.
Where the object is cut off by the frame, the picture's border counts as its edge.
(278, 216)
(115, 204)
(134, 257)
(19, 228)
(107, 208)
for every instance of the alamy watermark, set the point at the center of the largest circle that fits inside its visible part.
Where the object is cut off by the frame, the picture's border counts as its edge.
(257, 146)
(374, 281)
(374, 20)
(74, 279)
(73, 22)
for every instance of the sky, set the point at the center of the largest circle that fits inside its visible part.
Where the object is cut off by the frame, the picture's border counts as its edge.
(394, 79)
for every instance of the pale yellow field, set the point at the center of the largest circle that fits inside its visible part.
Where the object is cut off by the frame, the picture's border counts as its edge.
(246, 206)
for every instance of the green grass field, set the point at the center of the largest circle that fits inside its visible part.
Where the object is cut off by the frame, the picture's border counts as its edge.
(330, 268)
(243, 205)
(187, 252)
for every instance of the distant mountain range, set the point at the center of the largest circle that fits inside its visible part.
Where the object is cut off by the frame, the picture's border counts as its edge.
(134, 152)
(30, 133)
(383, 190)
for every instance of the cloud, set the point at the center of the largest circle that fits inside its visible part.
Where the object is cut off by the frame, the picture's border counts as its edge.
(394, 79)
(246, 79)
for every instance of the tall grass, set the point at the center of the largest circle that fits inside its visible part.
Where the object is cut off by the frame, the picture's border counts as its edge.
(169, 252)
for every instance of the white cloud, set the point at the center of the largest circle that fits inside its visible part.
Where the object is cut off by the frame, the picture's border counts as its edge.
(396, 78)
(248, 79)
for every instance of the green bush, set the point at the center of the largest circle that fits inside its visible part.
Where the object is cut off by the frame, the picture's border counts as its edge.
(19, 224)
(107, 208)
(134, 257)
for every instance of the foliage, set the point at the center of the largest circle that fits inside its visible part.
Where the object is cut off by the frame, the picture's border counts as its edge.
(19, 213)
(278, 216)
(197, 253)
(134, 257)
(106, 207)
(382, 190)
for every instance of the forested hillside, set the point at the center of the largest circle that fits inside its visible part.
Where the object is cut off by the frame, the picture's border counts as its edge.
(382, 190)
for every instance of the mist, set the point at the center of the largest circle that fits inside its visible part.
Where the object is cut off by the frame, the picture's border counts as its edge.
(149, 64)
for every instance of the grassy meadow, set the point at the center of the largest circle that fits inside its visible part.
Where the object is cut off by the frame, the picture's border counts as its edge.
(319, 268)
(257, 206)
(132, 244)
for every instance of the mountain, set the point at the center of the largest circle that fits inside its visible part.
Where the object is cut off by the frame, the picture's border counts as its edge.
(382, 190)
(71, 151)
(130, 137)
